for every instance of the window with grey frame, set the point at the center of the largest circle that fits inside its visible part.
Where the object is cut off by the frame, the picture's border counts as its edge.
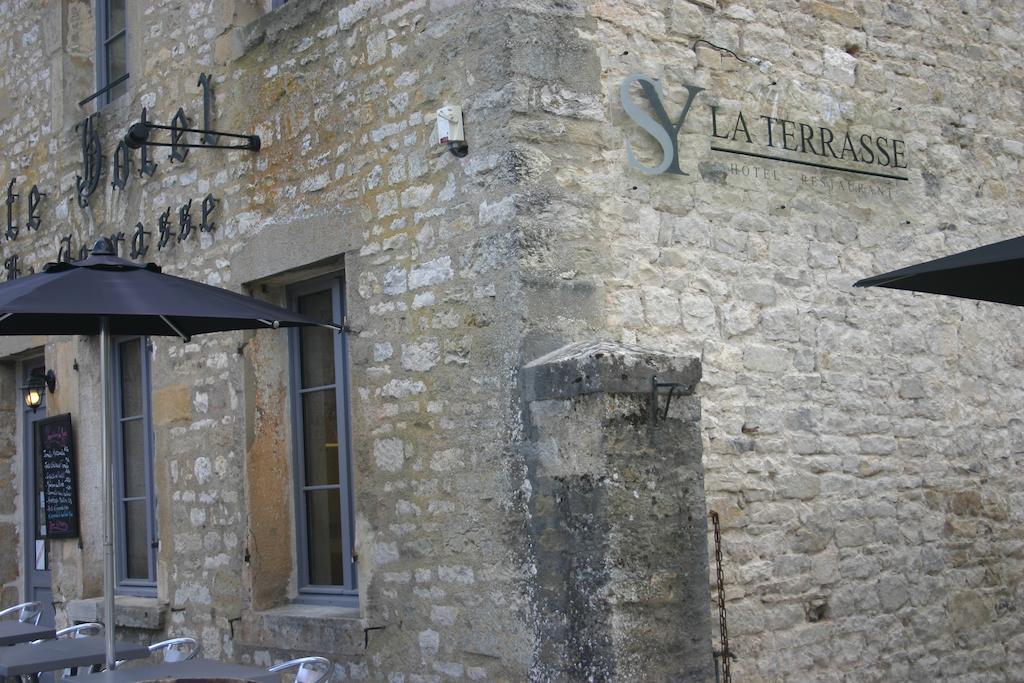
(111, 49)
(322, 452)
(133, 468)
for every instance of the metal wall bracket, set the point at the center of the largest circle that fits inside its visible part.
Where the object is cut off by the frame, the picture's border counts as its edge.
(656, 386)
(138, 136)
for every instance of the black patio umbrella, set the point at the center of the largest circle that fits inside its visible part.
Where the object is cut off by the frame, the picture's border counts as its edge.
(994, 272)
(105, 295)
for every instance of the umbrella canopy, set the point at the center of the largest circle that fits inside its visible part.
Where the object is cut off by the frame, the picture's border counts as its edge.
(107, 295)
(72, 298)
(994, 272)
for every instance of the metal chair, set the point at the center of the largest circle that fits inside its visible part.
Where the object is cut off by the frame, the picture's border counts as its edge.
(310, 669)
(76, 631)
(175, 649)
(27, 611)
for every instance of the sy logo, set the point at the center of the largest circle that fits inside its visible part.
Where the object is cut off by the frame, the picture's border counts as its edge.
(660, 127)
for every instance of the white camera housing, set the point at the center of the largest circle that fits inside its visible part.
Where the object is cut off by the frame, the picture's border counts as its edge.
(449, 125)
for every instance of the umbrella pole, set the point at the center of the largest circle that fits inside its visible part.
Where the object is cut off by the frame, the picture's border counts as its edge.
(108, 495)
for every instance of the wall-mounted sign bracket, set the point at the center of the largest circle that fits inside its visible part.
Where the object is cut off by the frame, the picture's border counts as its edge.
(138, 137)
(656, 386)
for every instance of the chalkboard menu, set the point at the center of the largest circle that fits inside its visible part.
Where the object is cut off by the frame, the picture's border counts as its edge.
(56, 454)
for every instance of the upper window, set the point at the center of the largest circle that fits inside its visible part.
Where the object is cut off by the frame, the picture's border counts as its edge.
(111, 49)
(133, 458)
(322, 465)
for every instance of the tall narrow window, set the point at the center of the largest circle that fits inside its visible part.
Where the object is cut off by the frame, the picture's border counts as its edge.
(323, 480)
(136, 521)
(111, 49)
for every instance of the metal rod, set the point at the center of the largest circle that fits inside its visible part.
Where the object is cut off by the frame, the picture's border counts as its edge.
(270, 323)
(200, 146)
(196, 130)
(177, 330)
(113, 84)
(108, 495)
(5, 316)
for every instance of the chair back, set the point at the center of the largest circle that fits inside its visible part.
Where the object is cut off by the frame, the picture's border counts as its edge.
(81, 630)
(27, 612)
(177, 649)
(308, 669)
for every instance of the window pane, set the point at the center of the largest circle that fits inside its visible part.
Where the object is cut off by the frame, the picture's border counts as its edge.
(115, 16)
(134, 457)
(136, 542)
(320, 435)
(317, 343)
(323, 537)
(131, 378)
(117, 64)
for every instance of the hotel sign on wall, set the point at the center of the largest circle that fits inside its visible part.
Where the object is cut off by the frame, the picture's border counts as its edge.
(757, 136)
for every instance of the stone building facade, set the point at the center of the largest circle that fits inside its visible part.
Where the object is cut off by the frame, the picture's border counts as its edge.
(644, 200)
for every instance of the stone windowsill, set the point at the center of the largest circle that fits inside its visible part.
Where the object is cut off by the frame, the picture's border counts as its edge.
(129, 611)
(299, 628)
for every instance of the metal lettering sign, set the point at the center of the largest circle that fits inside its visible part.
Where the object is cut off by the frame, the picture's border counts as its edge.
(759, 137)
(34, 197)
(209, 204)
(139, 243)
(122, 167)
(12, 228)
(178, 151)
(92, 160)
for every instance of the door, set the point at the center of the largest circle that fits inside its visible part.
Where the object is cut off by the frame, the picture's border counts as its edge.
(37, 546)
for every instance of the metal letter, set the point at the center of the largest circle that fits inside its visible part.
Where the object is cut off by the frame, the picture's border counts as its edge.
(116, 239)
(207, 86)
(122, 166)
(92, 160)
(12, 229)
(663, 130)
(147, 166)
(34, 221)
(139, 246)
(11, 266)
(185, 221)
(178, 153)
(64, 250)
(209, 204)
(165, 229)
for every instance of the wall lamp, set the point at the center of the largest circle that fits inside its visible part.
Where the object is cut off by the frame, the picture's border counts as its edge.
(33, 389)
(138, 136)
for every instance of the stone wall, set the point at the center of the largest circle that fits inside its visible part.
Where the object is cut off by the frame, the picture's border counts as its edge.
(861, 446)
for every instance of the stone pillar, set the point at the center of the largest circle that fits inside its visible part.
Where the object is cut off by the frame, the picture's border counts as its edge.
(618, 521)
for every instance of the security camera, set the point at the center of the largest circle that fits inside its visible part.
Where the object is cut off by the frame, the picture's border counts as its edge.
(451, 131)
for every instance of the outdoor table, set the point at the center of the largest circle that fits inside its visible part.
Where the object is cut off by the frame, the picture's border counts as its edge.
(14, 632)
(190, 669)
(63, 653)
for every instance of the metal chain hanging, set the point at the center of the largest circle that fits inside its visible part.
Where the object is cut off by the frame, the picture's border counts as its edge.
(723, 627)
